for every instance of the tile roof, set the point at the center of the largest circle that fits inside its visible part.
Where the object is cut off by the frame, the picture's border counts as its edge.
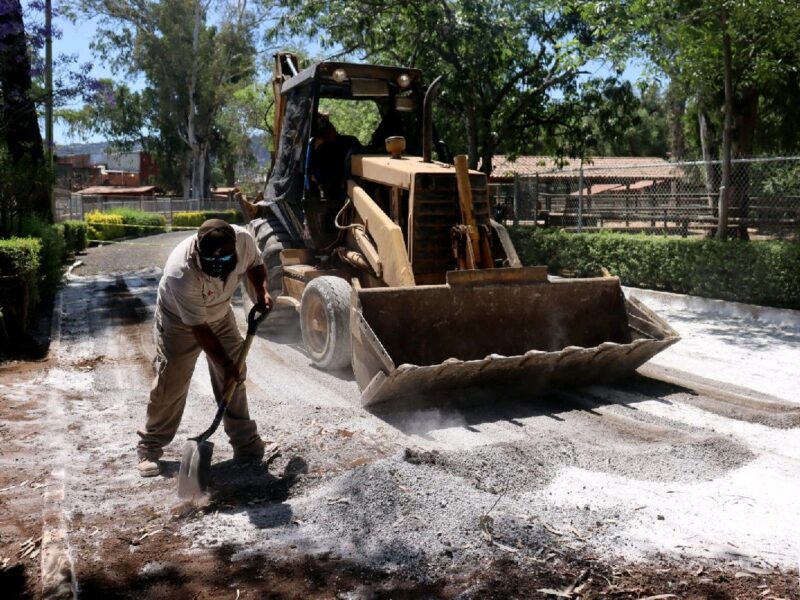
(116, 190)
(638, 167)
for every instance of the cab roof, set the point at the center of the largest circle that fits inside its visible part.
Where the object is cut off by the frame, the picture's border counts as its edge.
(324, 72)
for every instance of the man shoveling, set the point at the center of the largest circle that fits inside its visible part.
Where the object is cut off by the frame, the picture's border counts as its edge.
(194, 313)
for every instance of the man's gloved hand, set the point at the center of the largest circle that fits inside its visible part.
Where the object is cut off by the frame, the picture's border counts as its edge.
(232, 374)
(266, 303)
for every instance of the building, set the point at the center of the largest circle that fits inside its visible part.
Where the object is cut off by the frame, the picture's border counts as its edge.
(128, 169)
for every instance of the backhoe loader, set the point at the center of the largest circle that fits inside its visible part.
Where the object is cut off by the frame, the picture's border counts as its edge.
(396, 267)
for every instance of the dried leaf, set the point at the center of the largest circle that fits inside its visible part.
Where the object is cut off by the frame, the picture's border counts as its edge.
(552, 592)
(574, 532)
(552, 529)
(743, 574)
(659, 597)
(758, 571)
(339, 500)
(504, 547)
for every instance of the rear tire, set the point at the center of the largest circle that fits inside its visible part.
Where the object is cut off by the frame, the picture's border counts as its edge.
(325, 322)
(271, 238)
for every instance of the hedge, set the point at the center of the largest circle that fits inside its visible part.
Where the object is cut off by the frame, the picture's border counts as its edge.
(75, 236)
(757, 272)
(196, 218)
(19, 265)
(51, 254)
(138, 223)
(104, 226)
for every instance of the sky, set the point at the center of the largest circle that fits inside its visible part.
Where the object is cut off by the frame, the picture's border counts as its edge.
(76, 39)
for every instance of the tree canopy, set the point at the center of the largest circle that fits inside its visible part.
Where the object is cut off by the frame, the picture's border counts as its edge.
(508, 64)
(194, 56)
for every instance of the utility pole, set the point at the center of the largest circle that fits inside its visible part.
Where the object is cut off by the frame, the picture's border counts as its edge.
(48, 111)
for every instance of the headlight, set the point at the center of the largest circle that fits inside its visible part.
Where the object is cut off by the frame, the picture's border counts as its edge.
(339, 75)
(404, 80)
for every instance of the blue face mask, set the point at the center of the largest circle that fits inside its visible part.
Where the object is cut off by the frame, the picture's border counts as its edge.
(218, 266)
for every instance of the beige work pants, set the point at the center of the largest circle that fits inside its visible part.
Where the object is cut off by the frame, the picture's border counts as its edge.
(176, 354)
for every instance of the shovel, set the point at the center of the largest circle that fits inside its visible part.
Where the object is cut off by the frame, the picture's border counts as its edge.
(196, 461)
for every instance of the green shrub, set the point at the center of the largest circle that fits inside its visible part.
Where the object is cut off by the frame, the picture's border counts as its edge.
(758, 272)
(138, 223)
(196, 218)
(51, 255)
(19, 265)
(104, 226)
(75, 236)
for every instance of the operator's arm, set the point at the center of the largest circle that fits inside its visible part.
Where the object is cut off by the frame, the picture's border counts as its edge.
(211, 345)
(257, 277)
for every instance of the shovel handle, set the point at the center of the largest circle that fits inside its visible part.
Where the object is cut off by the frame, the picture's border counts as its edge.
(257, 314)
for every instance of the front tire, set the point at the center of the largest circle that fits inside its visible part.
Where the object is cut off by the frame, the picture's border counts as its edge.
(325, 322)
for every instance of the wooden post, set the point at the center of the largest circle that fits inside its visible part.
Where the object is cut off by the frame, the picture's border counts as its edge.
(475, 252)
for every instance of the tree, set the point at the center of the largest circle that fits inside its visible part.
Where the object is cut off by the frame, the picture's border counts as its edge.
(731, 57)
(191, 67)
(505, 62)
(22, 151)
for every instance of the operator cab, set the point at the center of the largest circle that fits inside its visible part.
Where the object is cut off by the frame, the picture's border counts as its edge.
(331, 112)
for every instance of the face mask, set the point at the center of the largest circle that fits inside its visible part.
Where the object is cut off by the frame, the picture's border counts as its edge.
(218, 266)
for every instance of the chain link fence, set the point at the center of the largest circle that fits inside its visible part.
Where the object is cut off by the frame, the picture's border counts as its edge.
(676, 198)
(77, 206)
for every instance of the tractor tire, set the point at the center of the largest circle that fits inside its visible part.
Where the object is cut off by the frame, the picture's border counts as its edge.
(271, 237)
(325, 322)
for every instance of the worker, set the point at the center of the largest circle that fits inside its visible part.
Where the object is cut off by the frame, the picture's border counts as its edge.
(194, 313)
(329, 158)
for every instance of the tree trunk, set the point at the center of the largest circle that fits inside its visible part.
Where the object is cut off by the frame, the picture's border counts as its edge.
(199, 156)
(725, 188)
(471, 125)
(677, 108)
(191, 132)
(19, 126)
(229, 171)
(742, 147)
(710, 168)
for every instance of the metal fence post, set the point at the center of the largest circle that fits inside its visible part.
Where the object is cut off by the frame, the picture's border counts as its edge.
(535, 199)
(580, 199)
(516, 199)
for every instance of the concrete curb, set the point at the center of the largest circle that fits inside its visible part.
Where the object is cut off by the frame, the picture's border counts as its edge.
(784, 317)
(58, 572)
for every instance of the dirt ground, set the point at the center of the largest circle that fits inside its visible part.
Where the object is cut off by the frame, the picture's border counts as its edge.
(667, 486)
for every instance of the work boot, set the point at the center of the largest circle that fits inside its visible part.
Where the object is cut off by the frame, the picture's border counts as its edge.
(255, 451)
(148, 467)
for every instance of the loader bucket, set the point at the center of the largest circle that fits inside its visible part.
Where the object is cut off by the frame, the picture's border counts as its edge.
(510, 327)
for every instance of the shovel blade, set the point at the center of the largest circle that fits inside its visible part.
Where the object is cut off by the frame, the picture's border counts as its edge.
(195, 469)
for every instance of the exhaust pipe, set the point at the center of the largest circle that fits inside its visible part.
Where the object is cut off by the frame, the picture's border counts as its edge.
(427, 119)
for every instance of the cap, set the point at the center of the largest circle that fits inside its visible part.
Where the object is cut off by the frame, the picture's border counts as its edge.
(214, 235)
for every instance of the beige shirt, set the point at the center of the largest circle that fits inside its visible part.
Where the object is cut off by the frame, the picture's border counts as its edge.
(187, 295)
